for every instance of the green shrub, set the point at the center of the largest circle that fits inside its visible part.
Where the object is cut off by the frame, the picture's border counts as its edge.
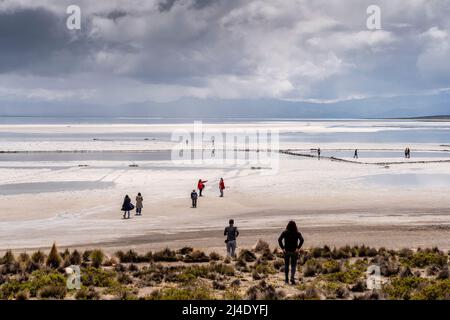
(43, 278)
(75, 258)
(8, 258)
(349, 276)
(38, 257)
(402, 288)
(433, 290)
(10, 289)
(331, 266)
(87, 256)
(421, 259)
(97, 257)
(98, 277)
(53, 259)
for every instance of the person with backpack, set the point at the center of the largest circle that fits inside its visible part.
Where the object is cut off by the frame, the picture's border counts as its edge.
(290, 242)
(231, 232)
(201, 186)
(194, 197)
(139, 205)
(221, 187)
(127, 206)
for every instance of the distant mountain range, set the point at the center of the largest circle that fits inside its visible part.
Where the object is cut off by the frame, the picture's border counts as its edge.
(397, 107)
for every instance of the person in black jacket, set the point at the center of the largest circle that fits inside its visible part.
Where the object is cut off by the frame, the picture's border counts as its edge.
(290, 241)
(194, 197)
(127, 206)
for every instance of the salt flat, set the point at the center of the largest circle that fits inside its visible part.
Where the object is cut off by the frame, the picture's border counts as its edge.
(400, 205)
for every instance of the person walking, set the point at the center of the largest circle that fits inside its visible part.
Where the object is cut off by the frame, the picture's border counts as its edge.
(221, 187)
(139, 205)
(127, 206)
(290, 242)
(231, 232)
(201, 186)
(194, 197)
(355, 155)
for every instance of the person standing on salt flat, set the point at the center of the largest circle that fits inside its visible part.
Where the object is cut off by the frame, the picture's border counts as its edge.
(355, 156)
(194, 197)
(221, 187)
(201, 186)
(139, 204)
(231, 232)
(127, 206)
(290, 241)
(318, 153)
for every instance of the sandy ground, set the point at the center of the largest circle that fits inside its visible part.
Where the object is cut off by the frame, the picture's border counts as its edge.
(334, 203)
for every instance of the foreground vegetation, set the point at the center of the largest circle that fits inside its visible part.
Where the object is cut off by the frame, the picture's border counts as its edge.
(323, 273)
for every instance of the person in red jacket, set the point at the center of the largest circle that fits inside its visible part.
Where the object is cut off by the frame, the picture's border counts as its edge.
(221, 187)
(201, 186)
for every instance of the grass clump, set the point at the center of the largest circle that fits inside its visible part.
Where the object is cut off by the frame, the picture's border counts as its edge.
(165, 255)
(53, 292)
(246, 255)
(195, 292)
(87, 294)
(196, 256)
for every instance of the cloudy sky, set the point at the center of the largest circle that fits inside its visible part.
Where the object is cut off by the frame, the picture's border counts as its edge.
(164, 51)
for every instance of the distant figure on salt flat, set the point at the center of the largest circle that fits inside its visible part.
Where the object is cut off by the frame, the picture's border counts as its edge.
(318, 153)
(201, 186)
(127, 206)
(355, 156)
(409, 152)
(139, 204)
(194, 197)
(221, 187)
(231, 232)
(290, 241)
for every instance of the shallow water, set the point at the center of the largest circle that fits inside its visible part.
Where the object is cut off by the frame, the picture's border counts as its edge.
(408, 180)
(52, 186)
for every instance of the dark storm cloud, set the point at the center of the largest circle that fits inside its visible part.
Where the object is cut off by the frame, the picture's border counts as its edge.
(116, 14)
(36, 40)
(166, 5)
(141, 50)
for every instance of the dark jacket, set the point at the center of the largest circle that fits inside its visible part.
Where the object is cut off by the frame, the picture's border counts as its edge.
(127, 206)
(292, 241)
(231, 232)
(194, 195)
